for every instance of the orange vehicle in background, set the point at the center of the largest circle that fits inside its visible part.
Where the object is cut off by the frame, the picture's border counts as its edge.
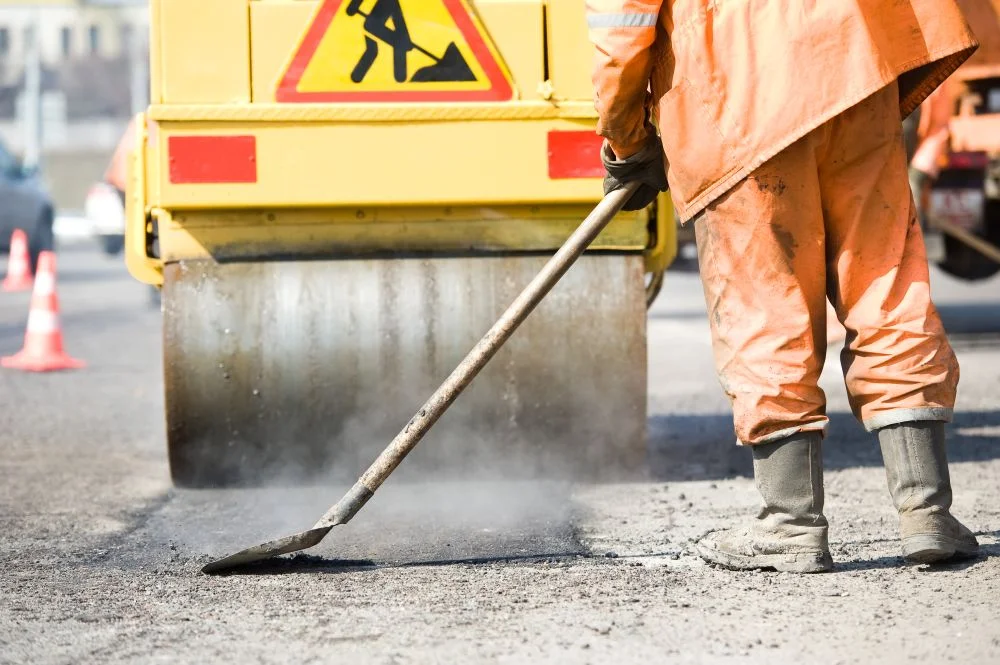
(954, 141)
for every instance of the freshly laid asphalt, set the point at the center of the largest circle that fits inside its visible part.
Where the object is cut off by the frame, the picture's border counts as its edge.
(100, 555)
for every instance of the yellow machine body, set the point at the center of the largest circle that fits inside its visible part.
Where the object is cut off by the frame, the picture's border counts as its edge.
(303, 142)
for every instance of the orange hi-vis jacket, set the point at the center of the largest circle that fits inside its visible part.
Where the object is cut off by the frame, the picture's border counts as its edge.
(117, 172)
(731, 83)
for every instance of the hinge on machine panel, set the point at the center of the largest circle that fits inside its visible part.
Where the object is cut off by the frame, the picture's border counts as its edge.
(546, 90)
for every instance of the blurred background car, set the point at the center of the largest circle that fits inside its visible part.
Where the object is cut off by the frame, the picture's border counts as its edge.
(105, 203)
(24, 204)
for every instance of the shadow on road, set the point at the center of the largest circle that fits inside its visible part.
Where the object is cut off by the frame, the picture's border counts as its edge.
(895, 561)
(702, 447)
(303, 563)
(970, 318)
(960, 319)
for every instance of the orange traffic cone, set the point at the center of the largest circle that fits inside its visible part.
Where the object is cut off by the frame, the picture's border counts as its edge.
(19, 264)
(43, 344)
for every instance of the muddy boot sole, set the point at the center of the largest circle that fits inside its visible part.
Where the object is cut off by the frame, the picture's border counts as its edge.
(936, 549)
(803, 562)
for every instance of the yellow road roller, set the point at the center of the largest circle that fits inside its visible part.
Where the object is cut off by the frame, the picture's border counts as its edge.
(338, 197)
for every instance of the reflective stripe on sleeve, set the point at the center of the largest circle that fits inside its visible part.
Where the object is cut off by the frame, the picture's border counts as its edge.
(597, 21)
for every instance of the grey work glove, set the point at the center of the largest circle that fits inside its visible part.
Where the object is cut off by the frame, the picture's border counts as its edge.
(645, 166)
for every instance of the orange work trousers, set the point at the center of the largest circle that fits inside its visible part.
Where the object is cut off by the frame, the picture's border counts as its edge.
(831, 216)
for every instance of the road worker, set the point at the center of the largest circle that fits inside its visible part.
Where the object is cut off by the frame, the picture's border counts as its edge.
(117, 172)
(778, 127)
(932, 135)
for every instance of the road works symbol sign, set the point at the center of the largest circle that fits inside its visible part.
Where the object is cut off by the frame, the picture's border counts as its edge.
(395, 51)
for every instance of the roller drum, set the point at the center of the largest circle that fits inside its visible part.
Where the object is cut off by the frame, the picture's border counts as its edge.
(299, 371)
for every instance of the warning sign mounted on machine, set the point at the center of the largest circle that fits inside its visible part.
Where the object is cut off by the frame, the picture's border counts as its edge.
(395, 51)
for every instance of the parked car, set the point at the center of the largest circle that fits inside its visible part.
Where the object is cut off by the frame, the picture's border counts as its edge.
(105, 204)
(24, 204)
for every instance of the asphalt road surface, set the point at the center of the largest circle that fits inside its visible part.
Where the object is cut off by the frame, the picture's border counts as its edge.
(100, 556)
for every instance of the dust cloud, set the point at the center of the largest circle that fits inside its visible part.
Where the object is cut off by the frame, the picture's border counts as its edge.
(547, 412)
(458, 496)
(495, 504)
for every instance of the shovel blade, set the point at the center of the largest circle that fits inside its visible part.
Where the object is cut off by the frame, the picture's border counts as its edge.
(273, 548)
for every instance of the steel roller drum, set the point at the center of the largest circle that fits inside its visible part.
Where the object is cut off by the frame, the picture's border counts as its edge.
(298, 371)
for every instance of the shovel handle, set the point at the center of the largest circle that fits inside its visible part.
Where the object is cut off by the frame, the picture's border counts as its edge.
(477, 358)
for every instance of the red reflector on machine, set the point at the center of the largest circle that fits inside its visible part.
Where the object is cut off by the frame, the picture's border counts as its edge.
(212, 159)
(575, 155)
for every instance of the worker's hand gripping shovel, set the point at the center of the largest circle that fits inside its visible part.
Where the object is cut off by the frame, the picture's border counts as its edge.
(434, 408)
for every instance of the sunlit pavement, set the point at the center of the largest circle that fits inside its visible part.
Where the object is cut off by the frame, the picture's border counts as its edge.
(100, 556)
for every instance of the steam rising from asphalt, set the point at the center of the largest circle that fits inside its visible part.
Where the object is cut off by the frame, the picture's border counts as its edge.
(404, 522)
(503, 511)
(476, 509)
(474, 469)
(460, 483)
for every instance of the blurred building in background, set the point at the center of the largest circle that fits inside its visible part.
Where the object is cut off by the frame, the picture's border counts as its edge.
(92, 75)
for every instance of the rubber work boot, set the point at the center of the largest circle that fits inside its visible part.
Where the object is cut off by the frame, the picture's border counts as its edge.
(916, 467)
(790, 531)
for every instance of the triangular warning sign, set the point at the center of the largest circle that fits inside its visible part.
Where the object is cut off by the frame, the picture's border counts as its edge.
(395, 51)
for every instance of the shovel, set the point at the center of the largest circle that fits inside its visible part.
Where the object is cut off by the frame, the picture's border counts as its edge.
(445, 395)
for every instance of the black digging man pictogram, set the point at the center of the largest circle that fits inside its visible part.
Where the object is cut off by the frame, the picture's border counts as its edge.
(385, 23)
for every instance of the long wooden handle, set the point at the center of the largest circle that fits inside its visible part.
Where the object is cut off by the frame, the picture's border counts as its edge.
(477, 358)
